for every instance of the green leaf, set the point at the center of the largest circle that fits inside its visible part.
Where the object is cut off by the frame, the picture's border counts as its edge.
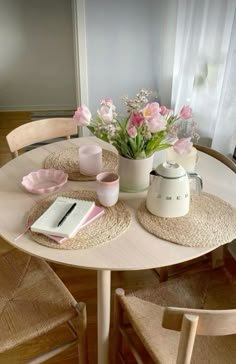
(159, 147)
(91, 128)
(155, 141)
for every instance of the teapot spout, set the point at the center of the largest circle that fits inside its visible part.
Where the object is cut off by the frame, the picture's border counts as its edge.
(199, 183)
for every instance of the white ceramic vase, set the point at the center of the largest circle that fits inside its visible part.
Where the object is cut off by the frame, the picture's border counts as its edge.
(134, 173)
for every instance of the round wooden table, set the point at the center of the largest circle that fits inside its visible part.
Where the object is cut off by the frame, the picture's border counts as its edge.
(134, 250)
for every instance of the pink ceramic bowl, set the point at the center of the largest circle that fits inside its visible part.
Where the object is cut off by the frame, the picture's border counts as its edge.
(44, 180)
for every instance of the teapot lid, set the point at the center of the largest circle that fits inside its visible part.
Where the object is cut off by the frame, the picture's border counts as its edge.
(170, 169)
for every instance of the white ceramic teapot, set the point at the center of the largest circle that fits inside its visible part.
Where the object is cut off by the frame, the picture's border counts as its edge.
(169, 191)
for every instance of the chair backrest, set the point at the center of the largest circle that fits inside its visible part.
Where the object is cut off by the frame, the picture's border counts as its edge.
(217, 155)
(192, 322)
(38, 131)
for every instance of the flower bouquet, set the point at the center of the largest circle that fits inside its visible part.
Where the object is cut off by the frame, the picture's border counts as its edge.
(147, 128)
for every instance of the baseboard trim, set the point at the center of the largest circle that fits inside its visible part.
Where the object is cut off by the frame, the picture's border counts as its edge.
(52, 114)
(35, 108)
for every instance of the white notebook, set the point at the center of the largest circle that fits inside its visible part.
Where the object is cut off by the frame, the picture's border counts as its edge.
(96, 212)
(48, 221)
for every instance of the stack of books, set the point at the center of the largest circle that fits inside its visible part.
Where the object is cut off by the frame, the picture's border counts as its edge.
(65, 217)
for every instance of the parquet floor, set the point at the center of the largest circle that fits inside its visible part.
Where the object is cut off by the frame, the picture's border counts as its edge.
(81, 282)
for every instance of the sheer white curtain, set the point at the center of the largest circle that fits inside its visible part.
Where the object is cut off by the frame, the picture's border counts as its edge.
(204, 71)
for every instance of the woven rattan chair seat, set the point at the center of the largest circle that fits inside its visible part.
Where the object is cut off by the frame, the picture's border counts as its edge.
(32, 299)
(214, 290)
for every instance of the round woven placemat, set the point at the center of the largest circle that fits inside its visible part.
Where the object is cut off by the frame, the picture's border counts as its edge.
(114, 222)
(68, 161)
(210, 222)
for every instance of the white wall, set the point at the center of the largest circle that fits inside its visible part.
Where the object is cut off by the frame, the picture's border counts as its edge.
(163, 38)
(36, 55)
(120, 52)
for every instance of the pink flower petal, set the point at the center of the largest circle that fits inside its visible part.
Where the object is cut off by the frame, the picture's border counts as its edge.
(157, 124)
(151, 110)
(183, 146)
(82, 116)
(105, 113)
(132, 131)
(136, 119)
(186, 112)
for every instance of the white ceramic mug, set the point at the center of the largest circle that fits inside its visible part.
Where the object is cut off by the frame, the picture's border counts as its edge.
(90, 159)
(107, 188)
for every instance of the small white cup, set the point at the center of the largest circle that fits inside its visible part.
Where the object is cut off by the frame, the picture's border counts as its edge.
(90, 159)
(108, 188)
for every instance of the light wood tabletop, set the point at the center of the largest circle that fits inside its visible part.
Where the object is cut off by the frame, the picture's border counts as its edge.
(133, 250)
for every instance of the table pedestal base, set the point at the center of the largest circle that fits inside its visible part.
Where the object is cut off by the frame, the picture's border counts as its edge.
(103, 312)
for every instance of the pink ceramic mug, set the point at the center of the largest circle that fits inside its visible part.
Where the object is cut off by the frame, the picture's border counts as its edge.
(90, 159)
(107, 188)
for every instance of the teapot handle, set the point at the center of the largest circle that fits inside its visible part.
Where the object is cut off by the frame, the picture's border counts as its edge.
(152, 175)
(199, 182)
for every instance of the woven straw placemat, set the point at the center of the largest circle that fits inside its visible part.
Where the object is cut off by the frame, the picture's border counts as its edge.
(209, 222)
(114, 222)
(68, 161)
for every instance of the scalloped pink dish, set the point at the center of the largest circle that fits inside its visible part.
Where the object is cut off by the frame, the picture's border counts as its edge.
(44, 180)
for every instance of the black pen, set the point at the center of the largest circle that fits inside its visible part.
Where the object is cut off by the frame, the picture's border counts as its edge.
(66, 214)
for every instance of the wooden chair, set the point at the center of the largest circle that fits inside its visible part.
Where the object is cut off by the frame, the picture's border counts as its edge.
(38, 131)
(201, 328)
(33, 302)
(217, 255)
(217, 155)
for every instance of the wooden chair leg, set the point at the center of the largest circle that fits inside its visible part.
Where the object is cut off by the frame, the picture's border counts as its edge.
(187, 338)
(117, 339)
(163, 273)
(81, 329)
(217, 257)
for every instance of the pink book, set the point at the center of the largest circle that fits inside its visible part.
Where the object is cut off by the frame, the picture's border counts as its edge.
(96, 212)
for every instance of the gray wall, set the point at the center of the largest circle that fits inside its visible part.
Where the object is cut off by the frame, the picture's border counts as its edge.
(120, 49)
(126, 44)
(163, 27)
(36, 57)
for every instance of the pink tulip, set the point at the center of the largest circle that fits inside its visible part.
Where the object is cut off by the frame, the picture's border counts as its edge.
(82, 116)
(132, 131)
(107, 100)
(165, 111)
(183, 146)
(151, 110)
(106, 113)
(186, 112)
(136, 119)
(157, 124)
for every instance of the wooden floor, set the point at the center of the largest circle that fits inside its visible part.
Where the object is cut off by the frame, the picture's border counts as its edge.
(80, 282)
